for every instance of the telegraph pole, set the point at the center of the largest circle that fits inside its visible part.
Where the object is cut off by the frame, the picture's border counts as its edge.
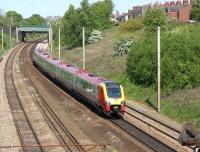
(2, 44)
(83, 48)
(51, 39)
(11, 20)
(59, 41)
(158, 72)
(17, 37)
(49, 35)
(10, 35)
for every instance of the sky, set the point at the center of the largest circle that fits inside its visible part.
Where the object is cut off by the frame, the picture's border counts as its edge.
(58, 7)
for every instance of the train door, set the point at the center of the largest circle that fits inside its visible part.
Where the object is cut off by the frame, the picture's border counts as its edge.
(101, 96)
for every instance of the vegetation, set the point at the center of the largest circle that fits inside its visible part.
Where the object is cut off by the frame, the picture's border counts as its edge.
(180, 59)
(154, 18)
(35, 19)
(94, 16)
(195, 13)
(122, 45)
(16, 18)
(13, 19)
(131, 26)
(95, 36)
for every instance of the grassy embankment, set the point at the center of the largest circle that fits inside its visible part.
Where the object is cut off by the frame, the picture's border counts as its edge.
(6, 44)
(182, 105)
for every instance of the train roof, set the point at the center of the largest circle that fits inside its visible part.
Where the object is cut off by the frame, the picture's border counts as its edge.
(92, 78)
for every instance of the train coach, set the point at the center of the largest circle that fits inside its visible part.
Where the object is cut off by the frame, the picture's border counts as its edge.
(106, 96)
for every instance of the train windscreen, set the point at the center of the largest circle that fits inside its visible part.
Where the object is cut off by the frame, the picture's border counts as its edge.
(113, 90)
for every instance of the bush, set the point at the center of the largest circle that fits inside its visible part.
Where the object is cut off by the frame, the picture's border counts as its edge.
(180, 59)
(131, 26)
(95, 36)
(122, 45)
(154, 18)
(141, 65)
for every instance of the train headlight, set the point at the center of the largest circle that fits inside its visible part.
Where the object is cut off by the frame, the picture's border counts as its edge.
(108, 103)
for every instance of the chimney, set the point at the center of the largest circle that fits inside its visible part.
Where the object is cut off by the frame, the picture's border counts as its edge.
(178, 2)
(185, 2)
(167, 4)
(172, 3)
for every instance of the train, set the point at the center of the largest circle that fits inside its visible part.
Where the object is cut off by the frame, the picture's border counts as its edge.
(106, 96)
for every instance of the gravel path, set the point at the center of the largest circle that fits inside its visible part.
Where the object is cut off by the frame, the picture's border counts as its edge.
(8, 132)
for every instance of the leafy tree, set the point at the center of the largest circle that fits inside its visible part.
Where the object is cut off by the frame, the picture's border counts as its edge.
(95, 16)
(36, 19)
(16, 18)
(101, 12)
(71, 27)
(180, 59)
(154, 18)
(195, 13)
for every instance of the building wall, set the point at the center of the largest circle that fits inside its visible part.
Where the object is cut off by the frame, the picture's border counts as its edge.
(172, 16)
(184, 14)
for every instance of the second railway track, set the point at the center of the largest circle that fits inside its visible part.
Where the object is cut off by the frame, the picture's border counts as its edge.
(24, 128)
(66, 139)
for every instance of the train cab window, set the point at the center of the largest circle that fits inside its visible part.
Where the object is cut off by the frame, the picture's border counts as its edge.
(113, 90)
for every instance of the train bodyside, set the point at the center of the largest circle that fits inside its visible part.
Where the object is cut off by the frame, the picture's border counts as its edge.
(101, 94)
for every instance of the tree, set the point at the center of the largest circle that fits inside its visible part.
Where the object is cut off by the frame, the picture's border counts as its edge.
(195, 13)
(16, 17)
(71, 27)
(95, 16)
(154, 18)
(101, 12)
(36, 19)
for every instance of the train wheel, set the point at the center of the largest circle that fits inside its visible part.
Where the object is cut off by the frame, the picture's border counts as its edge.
(99, 111)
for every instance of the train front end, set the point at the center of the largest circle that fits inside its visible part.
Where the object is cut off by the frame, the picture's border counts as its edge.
(113, 98)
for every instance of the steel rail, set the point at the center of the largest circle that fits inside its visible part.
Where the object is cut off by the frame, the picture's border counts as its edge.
(140, 135)
(175, 130)
(52, 119)
(24, 128)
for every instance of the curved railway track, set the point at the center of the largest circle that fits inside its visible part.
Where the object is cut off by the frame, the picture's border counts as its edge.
(66, 139)
(140, 135)
(62, 133)
(165, 129)
(173, 131)
(24, 128)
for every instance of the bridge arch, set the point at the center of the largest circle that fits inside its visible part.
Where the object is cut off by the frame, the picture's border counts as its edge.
(24, 29)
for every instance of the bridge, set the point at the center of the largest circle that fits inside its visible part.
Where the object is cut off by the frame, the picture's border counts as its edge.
(24, 29)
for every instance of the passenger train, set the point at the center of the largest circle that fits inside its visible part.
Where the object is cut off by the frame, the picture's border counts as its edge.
(105, 95)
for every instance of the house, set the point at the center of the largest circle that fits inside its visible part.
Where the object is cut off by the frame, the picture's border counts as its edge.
(178, 10)
(175, 10)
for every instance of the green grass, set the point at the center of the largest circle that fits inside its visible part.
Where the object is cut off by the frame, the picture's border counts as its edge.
(182, 105)
(6, 44)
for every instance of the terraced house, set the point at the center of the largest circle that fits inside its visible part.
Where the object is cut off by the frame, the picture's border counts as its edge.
(175, 10)
(178, 10)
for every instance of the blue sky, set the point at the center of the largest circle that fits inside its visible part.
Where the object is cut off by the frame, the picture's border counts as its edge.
(58, 7)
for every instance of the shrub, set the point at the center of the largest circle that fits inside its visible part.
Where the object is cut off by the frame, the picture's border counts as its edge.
(131, 26)
(141, 65)
(154, 18)
(122, 45)
(180, 59)
(95, 36)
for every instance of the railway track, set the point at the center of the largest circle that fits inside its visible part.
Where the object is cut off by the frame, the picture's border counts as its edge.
(66, 139)
(163, 129)
(140, 135)
(61, 132)
(24, 128)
